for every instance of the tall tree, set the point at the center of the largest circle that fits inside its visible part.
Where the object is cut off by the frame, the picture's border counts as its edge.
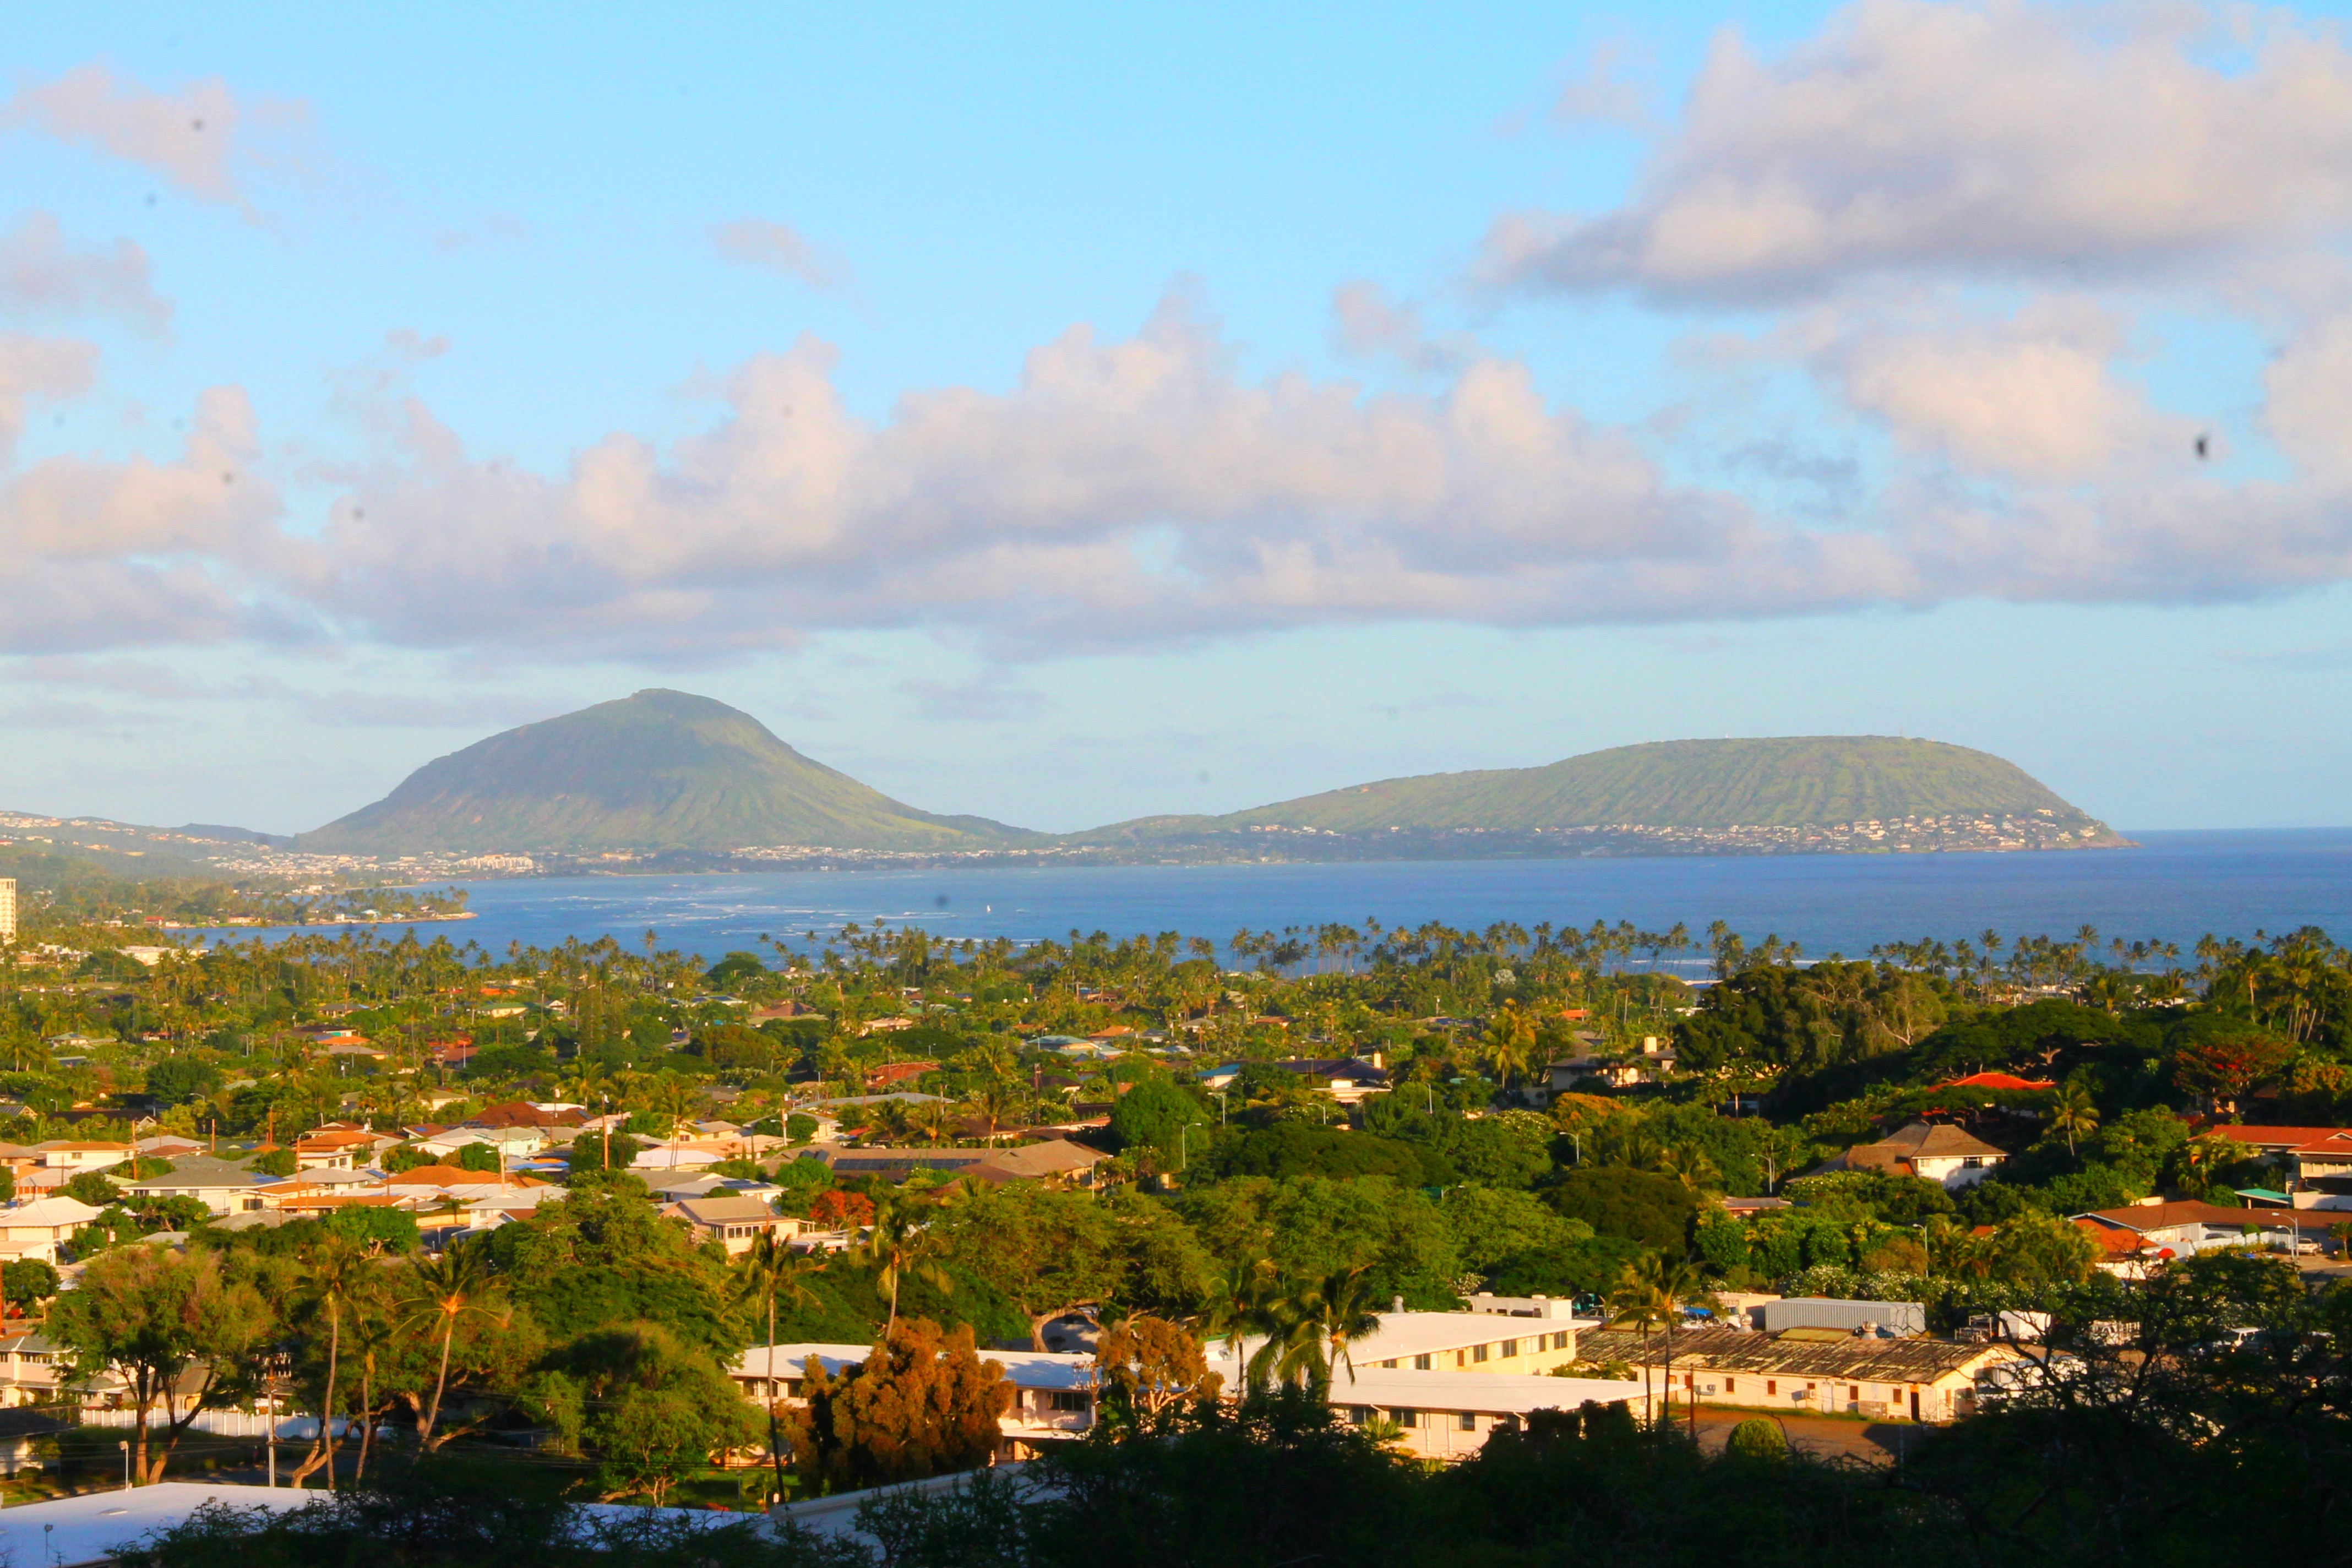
(157, 1318)
(444, 1291)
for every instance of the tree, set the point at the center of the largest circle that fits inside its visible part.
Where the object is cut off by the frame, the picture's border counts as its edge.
(1050, 1253)
(157, 1319)
(1655, 1210)
(93, 1189)
(276, 1163)
(1152, 1115)
(1148, 1366)
(1650, 1293)
(2074, 1113)
(1758, 1441)
(443, 1292)
(26, 1282)
(768, 1270)
(335, 1269)
(921, 1403)
(651, 1407)
(2225, 1064)
(899, 1243)
(1509, 1042)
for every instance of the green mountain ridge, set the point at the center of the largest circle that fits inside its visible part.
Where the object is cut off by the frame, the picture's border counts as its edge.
(656, 771)
(1781, 782)
(667, 773)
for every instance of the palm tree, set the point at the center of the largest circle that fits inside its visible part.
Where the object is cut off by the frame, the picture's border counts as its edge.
(1338, 1309)
(1509, 1042)
(443, 1290)
(1240, 1299)
(2074, 1113)
(898, 1244)
(1649, 1294)
(770, 1269)
(333, 1271)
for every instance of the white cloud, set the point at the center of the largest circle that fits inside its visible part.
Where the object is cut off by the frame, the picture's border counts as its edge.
(1998, 139)
(2033, 396)
(782, 248)
(199, 137)
(41, 275)
(1366, 324)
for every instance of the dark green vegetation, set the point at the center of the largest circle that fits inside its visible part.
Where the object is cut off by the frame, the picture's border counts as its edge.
(2173, 1451)
(1789, 782)
(660, 770)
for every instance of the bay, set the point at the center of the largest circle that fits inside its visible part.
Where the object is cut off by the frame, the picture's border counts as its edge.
(2175, 887)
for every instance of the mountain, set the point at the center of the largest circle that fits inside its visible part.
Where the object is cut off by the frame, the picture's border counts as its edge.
(658, 771)
(1788, 785)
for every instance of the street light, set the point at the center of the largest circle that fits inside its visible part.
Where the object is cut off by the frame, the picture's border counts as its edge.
(124, 1444)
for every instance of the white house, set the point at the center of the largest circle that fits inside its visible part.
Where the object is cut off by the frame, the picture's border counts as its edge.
(1933, 1150)
(37, 1229)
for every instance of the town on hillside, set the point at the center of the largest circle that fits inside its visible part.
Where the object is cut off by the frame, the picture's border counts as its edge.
(1433, 1203)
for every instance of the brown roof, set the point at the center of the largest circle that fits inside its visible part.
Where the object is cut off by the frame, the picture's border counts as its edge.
(1734, 1349)
(1919, 1141)
(2161, 1216)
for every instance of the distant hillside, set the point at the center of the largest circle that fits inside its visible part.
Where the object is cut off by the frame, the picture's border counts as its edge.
(658, 771)
(1703, 787)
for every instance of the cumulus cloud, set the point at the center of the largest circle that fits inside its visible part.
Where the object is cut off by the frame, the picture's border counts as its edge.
(780, 248)
(1998, 139)
(1124, 489)
(37, 371)
(199, 137)
(2032, 396)
(1366, 324)
(40, 274)
(99, 552)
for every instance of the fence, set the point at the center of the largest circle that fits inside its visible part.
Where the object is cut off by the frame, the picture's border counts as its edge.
(220, 1422)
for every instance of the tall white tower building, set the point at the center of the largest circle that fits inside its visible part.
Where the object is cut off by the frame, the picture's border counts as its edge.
(7, 909)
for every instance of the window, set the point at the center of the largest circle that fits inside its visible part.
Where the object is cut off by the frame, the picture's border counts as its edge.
(1407, 1418)
(1461, 1358)
(1479, 1353)
(1771, 1386)
(1854, 1393)
(1065, 1399)
(1560, 1341)
(1468, 1421)
(1358, 1414)
(1510, 1349)
(1973, 1163)
(1420, 1363)
(1727, 1385)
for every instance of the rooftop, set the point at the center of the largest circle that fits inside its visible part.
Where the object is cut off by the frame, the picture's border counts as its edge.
(1736, 1350)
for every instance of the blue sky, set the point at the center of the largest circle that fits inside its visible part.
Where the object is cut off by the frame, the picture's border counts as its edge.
(1074, 413)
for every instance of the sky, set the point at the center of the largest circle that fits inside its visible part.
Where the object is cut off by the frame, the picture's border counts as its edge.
(1069, 412)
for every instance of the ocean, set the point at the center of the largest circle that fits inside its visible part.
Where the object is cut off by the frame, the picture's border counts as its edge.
(2175, 887)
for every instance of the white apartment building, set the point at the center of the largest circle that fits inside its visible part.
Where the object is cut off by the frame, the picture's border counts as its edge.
(7, 909)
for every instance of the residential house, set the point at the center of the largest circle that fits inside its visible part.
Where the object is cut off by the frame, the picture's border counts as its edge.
(222, 1188)
(38, 1229)
(1655, 1061)
(1442, 1415)
(1808, 1370)
(2156, 1230)
(1449, 1416)
(72, 1158)
(1345, 1079)
(735, 1221)
(1932, 1150)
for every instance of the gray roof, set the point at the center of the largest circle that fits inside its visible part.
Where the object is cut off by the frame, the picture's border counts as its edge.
(1738, 1350)
(197, 1173)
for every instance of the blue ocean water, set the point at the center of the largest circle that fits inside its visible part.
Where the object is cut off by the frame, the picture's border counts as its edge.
(2175, 887)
